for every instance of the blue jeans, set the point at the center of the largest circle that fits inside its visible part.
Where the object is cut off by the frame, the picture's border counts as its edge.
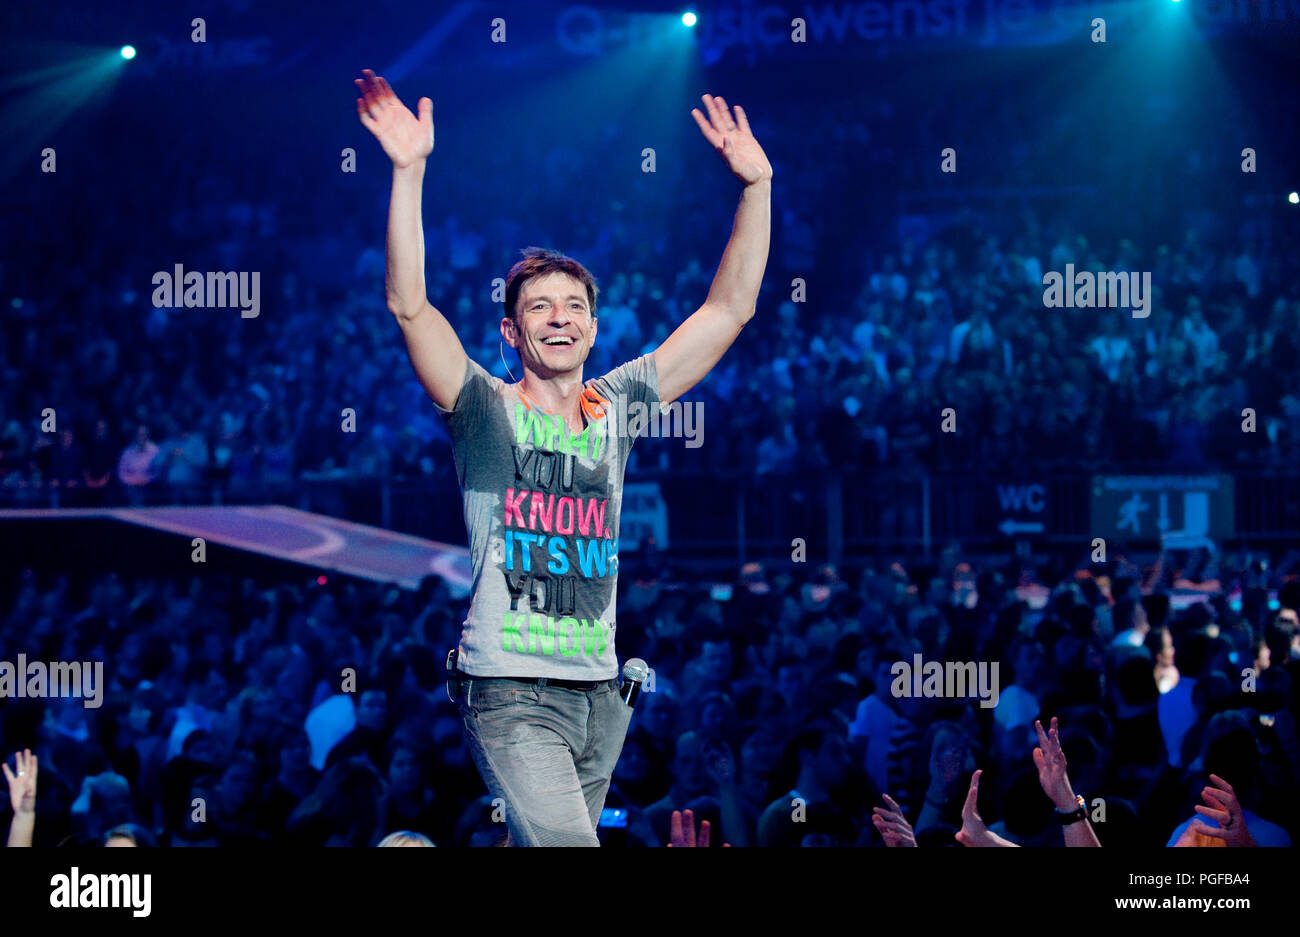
(548, 752)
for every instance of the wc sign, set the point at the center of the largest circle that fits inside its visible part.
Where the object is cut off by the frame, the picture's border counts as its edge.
(1021, 506)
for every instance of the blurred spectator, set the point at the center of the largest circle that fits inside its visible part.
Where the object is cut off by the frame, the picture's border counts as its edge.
(139, 465)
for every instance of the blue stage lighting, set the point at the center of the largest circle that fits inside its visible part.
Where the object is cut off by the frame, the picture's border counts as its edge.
(688, 19)
(128, 52)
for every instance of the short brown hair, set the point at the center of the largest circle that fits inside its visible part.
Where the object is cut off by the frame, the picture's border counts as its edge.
(537, 262)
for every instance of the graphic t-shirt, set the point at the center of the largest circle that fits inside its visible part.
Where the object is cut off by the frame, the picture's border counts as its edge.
(542, 511)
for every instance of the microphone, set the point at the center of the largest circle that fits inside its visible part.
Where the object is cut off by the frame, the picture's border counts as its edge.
(634, 673)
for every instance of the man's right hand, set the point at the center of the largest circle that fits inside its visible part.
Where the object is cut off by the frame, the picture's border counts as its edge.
(405, 138)
(436, 353)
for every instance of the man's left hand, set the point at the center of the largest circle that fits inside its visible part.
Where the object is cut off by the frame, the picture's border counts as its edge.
(731, 137)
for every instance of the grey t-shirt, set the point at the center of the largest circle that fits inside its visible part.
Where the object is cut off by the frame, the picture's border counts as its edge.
(542, 511)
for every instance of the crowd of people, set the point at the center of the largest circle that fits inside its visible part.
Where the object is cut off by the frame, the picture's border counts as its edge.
(236, 714)
(927, 330)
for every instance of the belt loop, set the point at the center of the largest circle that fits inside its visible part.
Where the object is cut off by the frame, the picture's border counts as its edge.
(541, 682)
(469, 692)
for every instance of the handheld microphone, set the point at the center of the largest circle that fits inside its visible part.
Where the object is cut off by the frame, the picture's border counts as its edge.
(634, 673)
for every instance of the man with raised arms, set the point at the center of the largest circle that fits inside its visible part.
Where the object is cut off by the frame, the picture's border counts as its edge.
(540, 465)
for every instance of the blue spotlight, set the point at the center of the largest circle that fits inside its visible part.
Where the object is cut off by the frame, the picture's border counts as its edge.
(1294, 198)
(688, 19)
(128, 52)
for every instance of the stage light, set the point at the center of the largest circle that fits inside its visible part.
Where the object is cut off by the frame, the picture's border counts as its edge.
(321, 580)
(128, 52)
(688, 19)
(1293, 198)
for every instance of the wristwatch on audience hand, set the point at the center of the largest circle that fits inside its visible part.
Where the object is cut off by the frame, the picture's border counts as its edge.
(1068, 817)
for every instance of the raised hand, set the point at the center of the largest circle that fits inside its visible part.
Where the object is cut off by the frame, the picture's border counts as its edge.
(22, 785)
(405, 138)
(1050, 761)
(682, 831)
(892, 825)
(973, 831)
(733, 140)
(1224, 809)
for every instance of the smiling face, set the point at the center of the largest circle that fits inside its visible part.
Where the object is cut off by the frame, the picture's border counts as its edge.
(553, 329)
